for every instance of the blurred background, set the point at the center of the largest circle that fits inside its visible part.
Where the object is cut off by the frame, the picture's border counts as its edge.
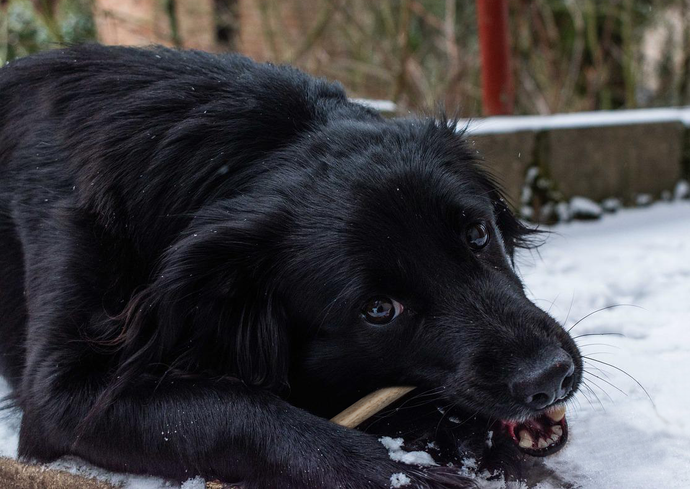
(585, 61)
(598, 94)
(566, 55)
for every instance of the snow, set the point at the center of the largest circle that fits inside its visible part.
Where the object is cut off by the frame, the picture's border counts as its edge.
(399, 480)
(682, 190)
(196, 483)
(502, 124)
(380, 105)
(638, 260)
(611, 204)
(75, 465)
(582, 207)
(9, 427)
(396, 452)
(643, 200)
(511, 123)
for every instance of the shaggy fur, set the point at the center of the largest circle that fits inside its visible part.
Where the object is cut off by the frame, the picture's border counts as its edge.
(188, 241)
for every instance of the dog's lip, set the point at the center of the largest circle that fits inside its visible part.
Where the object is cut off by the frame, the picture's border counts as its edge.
(540, 436)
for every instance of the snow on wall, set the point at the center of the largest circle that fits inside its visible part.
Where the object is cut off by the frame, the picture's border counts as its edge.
(513, 123)
(380, 105)
(503, 124)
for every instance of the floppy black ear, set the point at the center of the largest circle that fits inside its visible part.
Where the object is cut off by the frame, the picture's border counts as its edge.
(212, 305)
(214, 287)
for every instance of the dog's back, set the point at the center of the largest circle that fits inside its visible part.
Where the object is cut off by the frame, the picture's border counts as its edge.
(108, 130)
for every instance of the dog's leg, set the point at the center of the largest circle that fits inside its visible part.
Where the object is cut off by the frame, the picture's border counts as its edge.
(181, 427)
(214, 428)
(12, 304)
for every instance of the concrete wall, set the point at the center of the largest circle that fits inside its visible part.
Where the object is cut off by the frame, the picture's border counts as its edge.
(508, 156)
(616, 161)
(621, 158)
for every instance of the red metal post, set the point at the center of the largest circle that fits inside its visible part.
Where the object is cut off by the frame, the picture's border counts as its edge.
(498, 93)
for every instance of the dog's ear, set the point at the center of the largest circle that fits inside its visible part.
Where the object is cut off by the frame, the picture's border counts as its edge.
(212, 289)
(217, 285)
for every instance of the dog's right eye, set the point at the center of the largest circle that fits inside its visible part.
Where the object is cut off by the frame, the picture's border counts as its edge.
(477, 236)
(381, 310)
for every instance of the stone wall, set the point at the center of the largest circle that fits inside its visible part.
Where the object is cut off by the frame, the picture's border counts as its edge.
(508, 156)
(623, 161)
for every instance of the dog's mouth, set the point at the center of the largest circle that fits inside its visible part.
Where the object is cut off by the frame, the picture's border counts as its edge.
(541, 436)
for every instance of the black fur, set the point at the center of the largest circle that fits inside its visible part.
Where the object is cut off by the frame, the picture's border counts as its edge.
(187, 244)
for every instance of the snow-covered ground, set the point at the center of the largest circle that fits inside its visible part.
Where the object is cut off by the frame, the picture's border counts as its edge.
(641, 258)
(639, 261)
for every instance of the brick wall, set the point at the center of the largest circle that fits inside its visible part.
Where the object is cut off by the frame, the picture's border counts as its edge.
(268, 30)
(144, 22)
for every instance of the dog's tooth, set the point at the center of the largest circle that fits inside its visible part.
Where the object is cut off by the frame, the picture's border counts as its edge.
(557, 430)
(555, 437)
(557, 414)
(542, 443)
(526, 440)
(525, 443)
(524, 434)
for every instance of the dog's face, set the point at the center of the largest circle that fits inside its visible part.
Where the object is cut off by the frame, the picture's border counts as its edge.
(399, 272)
(376, 254)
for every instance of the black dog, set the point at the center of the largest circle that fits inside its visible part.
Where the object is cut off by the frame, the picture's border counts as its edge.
(204, 257)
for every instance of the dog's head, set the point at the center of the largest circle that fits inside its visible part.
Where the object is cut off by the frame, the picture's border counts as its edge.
(381, 254)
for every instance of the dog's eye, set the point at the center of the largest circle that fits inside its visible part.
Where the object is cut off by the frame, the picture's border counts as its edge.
(477, 236)
(381, 310)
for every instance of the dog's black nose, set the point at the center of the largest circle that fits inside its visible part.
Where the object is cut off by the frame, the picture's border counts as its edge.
(544, 380)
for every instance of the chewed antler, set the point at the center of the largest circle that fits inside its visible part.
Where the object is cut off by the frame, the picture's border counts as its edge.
(369, 405)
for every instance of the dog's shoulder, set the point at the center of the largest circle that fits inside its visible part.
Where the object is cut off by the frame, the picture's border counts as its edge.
(92, 77)
(129, 127)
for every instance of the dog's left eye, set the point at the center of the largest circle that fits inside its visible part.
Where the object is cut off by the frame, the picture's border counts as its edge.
(477, 236)
(381, 310)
